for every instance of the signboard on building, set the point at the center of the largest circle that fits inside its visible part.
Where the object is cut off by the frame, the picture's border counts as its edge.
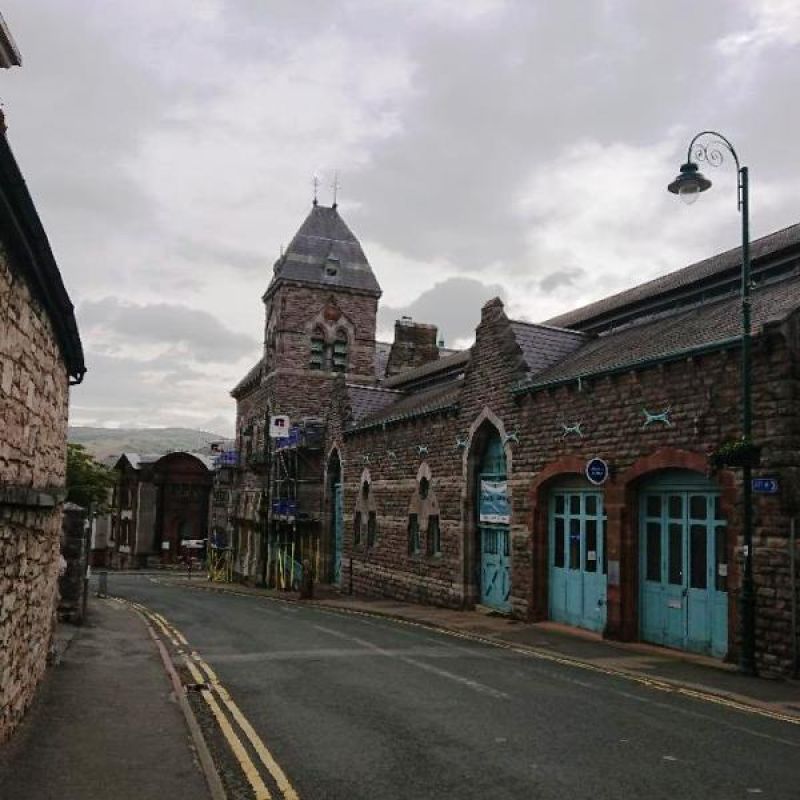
(494, 502)
(193, 544)
(279, 426)
(765, 485)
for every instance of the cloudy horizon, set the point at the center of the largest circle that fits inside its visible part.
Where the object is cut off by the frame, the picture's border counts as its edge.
(484, 147)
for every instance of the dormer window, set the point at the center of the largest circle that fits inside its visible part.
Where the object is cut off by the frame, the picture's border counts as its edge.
(332, 267)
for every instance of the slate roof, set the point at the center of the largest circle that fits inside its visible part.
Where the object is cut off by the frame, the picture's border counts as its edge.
(446, 364)
(382, 350)
(322, 239)
(24, 237)
(251, 379)
(9, 53)
(418, 404)
(366, 400)
(680, 280)
(544, 345)
(710, 325)
(137, 460)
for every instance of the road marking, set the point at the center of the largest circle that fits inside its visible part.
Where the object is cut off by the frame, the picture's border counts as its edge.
(530, 652)
(248, 767)
(443, 673)
(264, 754)
(234, 742)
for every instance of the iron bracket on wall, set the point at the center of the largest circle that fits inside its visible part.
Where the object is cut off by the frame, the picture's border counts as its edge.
(575, 429)
(662, 417)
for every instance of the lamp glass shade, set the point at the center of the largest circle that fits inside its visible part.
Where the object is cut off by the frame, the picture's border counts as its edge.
(689, 183)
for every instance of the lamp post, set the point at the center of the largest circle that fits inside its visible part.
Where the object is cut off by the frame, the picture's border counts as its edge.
(708, 146)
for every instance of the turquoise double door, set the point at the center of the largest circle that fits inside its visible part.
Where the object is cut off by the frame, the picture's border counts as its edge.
(683, 565)
(578, 562)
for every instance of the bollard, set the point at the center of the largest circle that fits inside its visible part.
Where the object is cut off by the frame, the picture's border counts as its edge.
(102, 583)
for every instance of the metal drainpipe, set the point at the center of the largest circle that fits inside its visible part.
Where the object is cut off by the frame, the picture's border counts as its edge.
(793, 584)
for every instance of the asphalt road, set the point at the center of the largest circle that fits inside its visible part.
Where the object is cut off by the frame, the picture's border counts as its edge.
(358, 707)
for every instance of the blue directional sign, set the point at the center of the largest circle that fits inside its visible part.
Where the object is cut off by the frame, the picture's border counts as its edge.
(765, 485)
(596, 471)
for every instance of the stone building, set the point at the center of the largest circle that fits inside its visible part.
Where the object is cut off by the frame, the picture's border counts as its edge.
(157, 503)
(40, 356)
(464, 479)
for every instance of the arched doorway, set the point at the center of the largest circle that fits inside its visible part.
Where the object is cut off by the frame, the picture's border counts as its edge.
(493, 524)
(683, 562)
(335, 493)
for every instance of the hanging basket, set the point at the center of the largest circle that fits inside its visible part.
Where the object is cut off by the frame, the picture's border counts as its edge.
(740, 453)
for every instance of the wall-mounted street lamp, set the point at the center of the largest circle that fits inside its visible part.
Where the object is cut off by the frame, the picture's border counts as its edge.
(708, 146)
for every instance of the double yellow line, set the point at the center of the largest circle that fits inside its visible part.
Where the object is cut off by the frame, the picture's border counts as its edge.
(217, 697)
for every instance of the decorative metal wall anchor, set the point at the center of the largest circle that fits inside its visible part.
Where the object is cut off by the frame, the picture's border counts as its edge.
(392, 455)
(365, 458)
(511, 437)
(662, 417)
(422, 449)
(461, 444)
(575, 429)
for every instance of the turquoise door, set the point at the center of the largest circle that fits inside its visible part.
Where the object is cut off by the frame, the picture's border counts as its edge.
(493, 528)
(684, 565)
(338, 531)
(578, 564)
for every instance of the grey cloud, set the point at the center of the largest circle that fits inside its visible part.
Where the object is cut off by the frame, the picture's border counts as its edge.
(454, 306)
(159, 392)
(560, 278)
(202, 333)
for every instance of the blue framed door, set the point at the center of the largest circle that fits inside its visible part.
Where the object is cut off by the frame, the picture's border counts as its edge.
(578, 562)
(493, 528)
(684, 566)
(338, 531)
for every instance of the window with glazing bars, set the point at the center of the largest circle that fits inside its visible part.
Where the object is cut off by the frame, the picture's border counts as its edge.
(340, 353)
(413, 534)
(317, 350)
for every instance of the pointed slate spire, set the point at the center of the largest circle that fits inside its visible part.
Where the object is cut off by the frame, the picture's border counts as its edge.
(325, 251)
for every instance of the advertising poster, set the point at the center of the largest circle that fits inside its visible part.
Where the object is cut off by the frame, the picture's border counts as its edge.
(494, 502)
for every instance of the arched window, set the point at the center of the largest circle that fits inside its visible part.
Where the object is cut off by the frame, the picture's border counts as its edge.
(317, 349)
(339, 360)
(423, 517)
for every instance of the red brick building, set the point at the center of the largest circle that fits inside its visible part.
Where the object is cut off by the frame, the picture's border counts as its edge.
(461, 479)
(158, 502)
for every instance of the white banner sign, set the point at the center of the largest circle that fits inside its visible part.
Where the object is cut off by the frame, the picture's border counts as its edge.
(279, 426)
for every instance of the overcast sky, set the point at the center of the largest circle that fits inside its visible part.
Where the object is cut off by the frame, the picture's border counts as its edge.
(518, 148)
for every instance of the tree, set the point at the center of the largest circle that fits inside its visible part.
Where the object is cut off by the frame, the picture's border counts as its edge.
(88, 481)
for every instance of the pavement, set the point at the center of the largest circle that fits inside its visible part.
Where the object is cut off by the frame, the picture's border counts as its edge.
(660, 665)
(105, 722)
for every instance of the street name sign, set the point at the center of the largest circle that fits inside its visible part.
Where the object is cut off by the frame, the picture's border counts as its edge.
(765, 485)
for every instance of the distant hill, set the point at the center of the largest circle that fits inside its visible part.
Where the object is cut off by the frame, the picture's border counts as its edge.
(107, 443)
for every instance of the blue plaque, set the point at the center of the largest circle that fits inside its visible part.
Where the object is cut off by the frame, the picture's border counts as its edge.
(596, 471)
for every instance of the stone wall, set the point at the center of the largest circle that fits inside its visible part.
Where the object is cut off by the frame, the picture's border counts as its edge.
(33, 408)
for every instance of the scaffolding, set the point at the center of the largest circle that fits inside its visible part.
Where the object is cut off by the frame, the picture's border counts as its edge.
(294, 520)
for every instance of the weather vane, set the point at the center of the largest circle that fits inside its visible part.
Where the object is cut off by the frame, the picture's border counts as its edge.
(315, 184)
(335, 186)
